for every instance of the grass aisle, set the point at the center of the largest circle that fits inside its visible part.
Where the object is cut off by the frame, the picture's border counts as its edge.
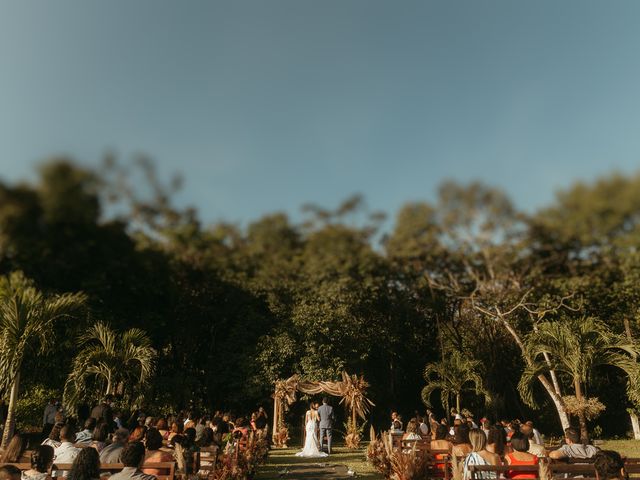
(281, 460)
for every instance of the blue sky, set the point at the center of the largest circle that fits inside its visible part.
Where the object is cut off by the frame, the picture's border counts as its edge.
(265, 105)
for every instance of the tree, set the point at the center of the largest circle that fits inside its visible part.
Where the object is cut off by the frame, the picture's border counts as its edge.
(454, 374)
(575, 347)
(27, 318)
(115, 361)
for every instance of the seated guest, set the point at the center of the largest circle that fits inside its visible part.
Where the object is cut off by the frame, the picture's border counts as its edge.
(111, 453)
(86, 466)
(54, 436)
(10, 472)
(461, 445)
(496, 440)
(412, 431)
(176, 429)
(99, 437)
(443, 445)
(479, 456)
(14, 453)
(609, 466)
(191, 451)
(520, 456)
(534, 448)
(138, 434)
(241, 426)
(154, 454)
(162, 427)
(41, 462)
(85, 435)
(573, 448)
(132, 457)
(66, 452)
(206, 440)
(537, 438)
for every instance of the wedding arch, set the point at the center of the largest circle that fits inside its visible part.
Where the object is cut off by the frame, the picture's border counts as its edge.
(351, 390)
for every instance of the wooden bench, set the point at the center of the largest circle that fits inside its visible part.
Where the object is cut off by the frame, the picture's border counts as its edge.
(169, 467)
(556, 470)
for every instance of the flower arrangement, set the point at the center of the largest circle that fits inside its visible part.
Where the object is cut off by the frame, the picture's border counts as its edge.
(353, 434)
(395, 464)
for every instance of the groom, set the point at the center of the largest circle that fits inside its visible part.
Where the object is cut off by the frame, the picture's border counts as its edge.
(325, 412)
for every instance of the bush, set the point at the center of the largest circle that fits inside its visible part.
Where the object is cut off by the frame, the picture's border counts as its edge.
(30, 407)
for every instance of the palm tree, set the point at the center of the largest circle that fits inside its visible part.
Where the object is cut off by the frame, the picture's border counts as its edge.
(112, 360)
(576, 346)
(27, 317)
(452, 375)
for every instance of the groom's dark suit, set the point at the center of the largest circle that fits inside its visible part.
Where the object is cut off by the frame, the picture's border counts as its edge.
(326, 424)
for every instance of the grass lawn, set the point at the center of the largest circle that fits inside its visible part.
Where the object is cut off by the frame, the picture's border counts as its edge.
(279, 459)
(285, 458)
(626, 448)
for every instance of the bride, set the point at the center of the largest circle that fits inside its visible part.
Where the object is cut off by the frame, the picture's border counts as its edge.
(311, 440)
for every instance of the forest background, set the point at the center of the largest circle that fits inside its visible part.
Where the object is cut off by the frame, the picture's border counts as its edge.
(231, 309)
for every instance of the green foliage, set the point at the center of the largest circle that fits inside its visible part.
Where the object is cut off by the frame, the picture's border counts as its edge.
(229, 310)
(30, 407)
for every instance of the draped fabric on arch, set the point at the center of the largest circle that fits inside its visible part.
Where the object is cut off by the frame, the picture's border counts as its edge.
(351, 389)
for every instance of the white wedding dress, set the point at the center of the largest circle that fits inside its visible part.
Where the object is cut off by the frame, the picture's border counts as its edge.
(311, 448)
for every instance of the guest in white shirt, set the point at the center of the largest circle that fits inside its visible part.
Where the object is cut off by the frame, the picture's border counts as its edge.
(66, 452)
(85, 435)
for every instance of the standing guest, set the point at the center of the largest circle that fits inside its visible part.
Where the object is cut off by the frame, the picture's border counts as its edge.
(99, 437)
(117, 419)
(423, 427)
(396, 422)
(520, 456)
(66, 452)
(470, 422)
(14, 453)
(479, 456)
(103, 411)
(200, 426)
(132, 458)
(111, 453)
(86, 434)
(54, 436)
(262, 423)
(41, 462)
(154, 454)
(86, 466)
(573, 447)
(10, 472)
(84, 412)
(49, 417)
(485, 426)
(609, 466)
